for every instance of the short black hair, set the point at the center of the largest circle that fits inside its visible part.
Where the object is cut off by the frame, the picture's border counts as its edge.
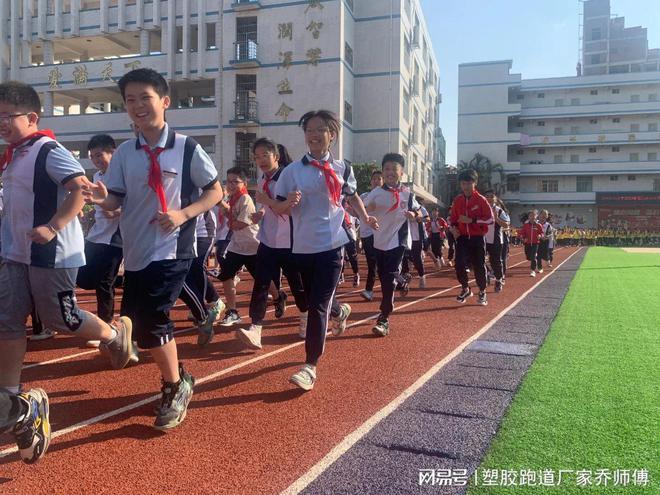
(330, 119)
(267, 143)
(144, 76)
(489, 191)
(394, 157)
(376, 172)
(20, 95)
(285, 157)
(103, 141)
(238, 171)
(468, 175)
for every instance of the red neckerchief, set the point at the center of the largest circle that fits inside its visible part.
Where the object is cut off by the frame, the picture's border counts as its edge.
(347, 219)
(397, 196)
(266, 189)
(232, 202)
(8, 155)
(155, 175)
(331, 180)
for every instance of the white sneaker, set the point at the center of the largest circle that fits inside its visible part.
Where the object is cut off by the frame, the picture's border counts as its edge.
(302, 326)
(532, 273)
(540, 270)
(305, 378)
(135, 353)
(45, 334)
(340, 321)
(250, 337)
(93, 343)
(422, 282)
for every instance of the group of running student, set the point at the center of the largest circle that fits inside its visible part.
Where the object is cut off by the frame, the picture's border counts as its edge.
(160, 207)
(538, 236)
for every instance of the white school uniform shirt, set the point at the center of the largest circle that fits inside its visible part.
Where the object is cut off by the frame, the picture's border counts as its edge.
(394, 228)
(105, 230)
(549, 231)
(206, 224)
(495, 231)
(274, 229)
(34, 189)
(186, 171)
(222, 227)
(244, 241)
(317, 221)
(416, 226)
(365, 228)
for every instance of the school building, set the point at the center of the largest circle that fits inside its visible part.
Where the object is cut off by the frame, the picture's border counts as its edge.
(587, 147)
(238, 69)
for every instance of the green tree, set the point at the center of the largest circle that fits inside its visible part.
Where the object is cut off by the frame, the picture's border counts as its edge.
(491, 175)
(363, 173)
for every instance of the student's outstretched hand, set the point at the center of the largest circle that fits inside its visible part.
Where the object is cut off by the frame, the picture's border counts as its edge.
(171, 220)
(257, 216)
(410, 215)
(293, 198)
(373, 223)
(94, 194)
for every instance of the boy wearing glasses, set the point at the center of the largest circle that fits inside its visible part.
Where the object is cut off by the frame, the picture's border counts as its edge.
(42, 239)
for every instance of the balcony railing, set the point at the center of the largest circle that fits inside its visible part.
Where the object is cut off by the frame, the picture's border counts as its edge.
(245, 110)
(246, 53)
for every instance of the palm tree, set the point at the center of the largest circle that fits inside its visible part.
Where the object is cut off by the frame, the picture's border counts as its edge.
(487, 171)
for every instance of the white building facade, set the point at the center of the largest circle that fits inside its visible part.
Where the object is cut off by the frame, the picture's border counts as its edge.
(577, 146)
(238, 70)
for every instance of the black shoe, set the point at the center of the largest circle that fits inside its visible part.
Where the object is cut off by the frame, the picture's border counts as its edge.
(280, 305)
(465, 293)
(483, 300)
(498, 286)
(231, 317)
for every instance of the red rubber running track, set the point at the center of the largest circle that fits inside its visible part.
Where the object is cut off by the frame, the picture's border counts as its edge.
(247, 430)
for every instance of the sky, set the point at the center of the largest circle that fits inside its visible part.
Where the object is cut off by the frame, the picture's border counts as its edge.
(540, 36)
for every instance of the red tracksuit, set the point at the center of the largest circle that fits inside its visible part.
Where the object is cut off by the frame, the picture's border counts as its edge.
(471, 244)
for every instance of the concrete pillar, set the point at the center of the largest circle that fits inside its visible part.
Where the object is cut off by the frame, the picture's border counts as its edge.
(49, 52)
(156, 12)
(42, 16)
(103, 15)
(4, 45)
(145, 37)
(48, 104)
(15, 60)
(75, 17)
(171, 40)
(84, 104)
(139, 14)
(185, 45)
(201, 38)
(58, 18)
(121, 15)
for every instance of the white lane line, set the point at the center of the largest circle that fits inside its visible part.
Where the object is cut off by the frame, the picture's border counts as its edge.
(301, 483)
(242, 364)
(190, 329)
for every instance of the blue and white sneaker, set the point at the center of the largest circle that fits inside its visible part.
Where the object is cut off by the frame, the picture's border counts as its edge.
(32, 432)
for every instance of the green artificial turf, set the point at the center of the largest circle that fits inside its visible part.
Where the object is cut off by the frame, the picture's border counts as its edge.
(591, 400)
